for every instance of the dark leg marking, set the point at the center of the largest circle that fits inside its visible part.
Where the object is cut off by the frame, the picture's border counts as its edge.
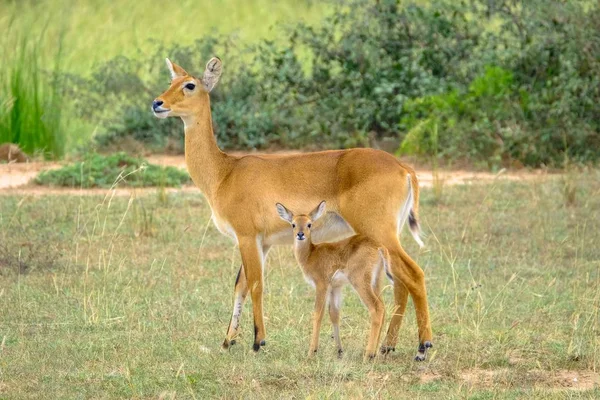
(256, 346)
(390, 277)
(423, 351)
(238, 276)
(412, 221)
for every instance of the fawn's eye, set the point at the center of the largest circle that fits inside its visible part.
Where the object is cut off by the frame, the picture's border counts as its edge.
(309, 226)
(190, 86)
(293, 225)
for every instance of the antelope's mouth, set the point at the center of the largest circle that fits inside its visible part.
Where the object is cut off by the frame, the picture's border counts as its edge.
(161, 112)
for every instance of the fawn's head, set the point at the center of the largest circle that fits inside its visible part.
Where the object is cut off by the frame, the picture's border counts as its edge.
(301, 224)
(182, 97)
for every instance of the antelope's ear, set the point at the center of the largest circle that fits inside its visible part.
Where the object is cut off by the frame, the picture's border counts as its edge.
(212, 73)
(284, 213)
(175, 70)
(317, 212)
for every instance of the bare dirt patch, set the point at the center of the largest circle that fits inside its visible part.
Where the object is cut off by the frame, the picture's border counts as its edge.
(16, 178)
(557, 380)
(429, 376)
(484, 377)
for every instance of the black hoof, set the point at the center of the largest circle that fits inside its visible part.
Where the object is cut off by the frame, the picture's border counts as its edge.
(262, 342)
(340, 353)
(423, 350)
(256, 347)
(231, 343)
(387, 349)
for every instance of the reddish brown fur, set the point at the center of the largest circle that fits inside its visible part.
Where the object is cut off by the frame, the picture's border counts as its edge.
(366, 188)
(358, 259)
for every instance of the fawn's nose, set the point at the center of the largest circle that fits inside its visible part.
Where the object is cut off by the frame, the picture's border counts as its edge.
(157, 103)
(300, 235)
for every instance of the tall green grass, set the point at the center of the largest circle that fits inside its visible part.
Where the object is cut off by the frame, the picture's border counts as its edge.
(31, 112)
(98, 30)
(44, 40)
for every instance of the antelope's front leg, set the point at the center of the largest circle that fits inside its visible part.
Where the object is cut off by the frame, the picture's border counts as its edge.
(239, 296)
(320, 299)
(252, 260)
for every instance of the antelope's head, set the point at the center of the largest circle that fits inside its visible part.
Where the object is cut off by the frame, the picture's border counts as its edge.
(182, 97)
(301, 224)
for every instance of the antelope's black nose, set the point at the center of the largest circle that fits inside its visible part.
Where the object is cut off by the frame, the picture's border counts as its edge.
(300, 235)
(157, 103)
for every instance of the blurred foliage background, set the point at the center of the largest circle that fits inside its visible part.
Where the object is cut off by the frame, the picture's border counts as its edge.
(489, 82)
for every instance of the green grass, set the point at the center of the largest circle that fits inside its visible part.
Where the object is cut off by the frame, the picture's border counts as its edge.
(31, 109)
(100, 301)
(98, 30)
(97, 170)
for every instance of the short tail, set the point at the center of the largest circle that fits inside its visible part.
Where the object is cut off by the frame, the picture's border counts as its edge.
(411, 208)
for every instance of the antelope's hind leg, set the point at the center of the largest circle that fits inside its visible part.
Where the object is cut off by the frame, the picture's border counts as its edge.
(373, 302)
(400, 302)
(335, 302)
(406, 272)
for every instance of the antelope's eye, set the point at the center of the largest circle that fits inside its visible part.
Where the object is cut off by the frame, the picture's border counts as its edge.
(190, 86)
(293, 225)
(309, 226)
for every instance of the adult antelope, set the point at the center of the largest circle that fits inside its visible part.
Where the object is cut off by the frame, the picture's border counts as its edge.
(368, 192)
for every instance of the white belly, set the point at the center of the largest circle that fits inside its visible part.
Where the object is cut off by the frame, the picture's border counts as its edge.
(331, 229)
(224, 227)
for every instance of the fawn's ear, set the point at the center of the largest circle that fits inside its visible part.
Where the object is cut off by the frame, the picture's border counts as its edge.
(317, 212)
(212, 73)
(284, 213)
(175, 70)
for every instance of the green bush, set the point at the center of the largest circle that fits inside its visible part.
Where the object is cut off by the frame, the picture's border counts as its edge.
(469, 124)
(107, 171)
(499, 80)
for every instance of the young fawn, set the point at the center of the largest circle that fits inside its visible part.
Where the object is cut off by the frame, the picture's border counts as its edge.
(328, 266)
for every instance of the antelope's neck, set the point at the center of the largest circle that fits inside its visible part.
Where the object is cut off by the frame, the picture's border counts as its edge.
(206, 163)
(303, 250)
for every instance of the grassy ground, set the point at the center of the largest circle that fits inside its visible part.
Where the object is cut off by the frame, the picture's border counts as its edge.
(131, 298)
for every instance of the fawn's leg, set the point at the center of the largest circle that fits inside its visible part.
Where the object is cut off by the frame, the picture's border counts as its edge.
(401, 299)
(335, 302)
(320, 299)
(376, 310)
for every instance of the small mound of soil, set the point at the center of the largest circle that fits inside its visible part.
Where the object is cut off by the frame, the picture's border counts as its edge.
(11, 153)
